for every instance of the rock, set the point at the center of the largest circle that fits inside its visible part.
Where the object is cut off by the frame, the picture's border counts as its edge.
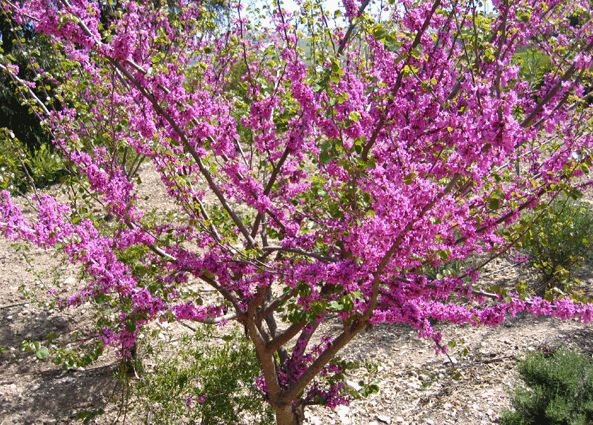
(71, 281)
(342, 410)
(450, 360)
(314, 420)
(384, 419)
(344, 413)
(353, 384)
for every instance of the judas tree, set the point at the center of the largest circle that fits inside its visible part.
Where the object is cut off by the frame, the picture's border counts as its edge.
(318, 166)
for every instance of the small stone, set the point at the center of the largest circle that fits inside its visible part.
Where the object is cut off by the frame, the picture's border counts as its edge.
(450, 360)
(353, 384)
(384, 419)
(342, 410)
(314, 420)
(343, 413)
(71, 280)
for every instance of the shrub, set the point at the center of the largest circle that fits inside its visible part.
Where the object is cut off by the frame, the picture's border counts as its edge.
(46, 166)
(559, 242)
(203, 384)
(21, 168)
(558, 390)
(533, 63)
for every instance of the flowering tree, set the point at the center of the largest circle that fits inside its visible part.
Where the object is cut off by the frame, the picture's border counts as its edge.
(319, 165)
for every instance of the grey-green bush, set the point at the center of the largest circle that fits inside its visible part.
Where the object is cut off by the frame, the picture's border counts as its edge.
(557, 390)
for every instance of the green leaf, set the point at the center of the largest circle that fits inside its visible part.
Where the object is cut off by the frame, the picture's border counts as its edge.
(494, 203)
(42, 353)
(354, 116)
(326, 154)
(443, 254)
(410, 177)
(379, 32)
(335, 306)
(131, 326)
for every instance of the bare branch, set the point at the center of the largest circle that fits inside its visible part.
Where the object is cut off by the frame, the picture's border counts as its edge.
(315, 255)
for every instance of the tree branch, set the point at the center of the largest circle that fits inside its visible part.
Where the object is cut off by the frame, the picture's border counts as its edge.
(188, 148)
(315, 255)
(400, 75)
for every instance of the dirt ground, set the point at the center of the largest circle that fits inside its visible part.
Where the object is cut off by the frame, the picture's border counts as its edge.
(416, 386)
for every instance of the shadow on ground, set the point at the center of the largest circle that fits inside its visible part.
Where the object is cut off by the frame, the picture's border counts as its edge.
(580, 338)
(56, 396)
(36, 392)
(18, 324)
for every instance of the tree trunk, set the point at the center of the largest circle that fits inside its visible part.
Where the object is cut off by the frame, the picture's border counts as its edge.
(132, 365)
(289, 415)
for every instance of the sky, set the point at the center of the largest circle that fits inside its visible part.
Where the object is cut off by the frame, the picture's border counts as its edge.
(330, 6)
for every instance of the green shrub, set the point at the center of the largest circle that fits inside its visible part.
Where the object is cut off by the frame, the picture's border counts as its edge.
(20, 167)
(533, 63)
(559, 243)
(200, 384)
(46, 166)
(558, 390)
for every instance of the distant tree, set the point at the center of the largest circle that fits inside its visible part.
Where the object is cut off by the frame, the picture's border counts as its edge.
(18, 43)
